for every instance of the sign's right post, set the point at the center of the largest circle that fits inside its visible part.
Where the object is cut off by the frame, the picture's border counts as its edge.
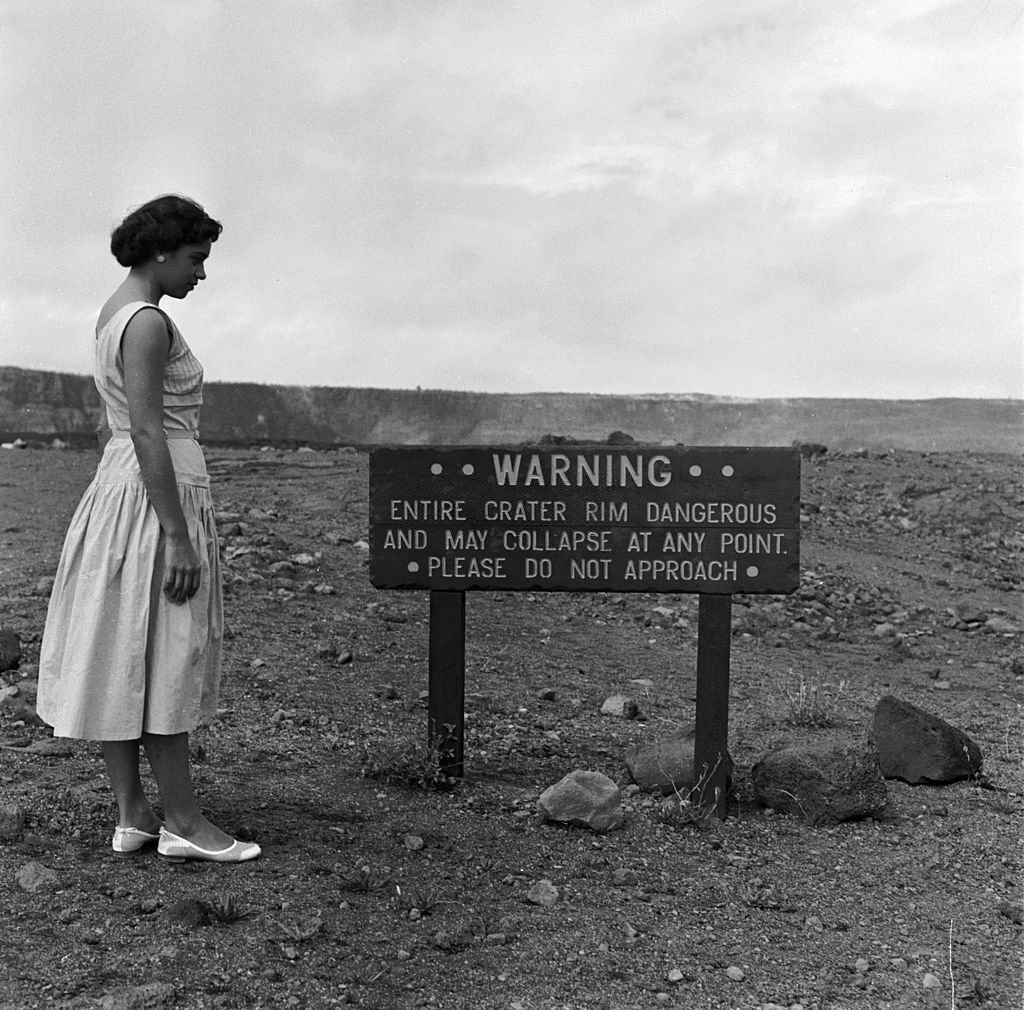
(711, 766)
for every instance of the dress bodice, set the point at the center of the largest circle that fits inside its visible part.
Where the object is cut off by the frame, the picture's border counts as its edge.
(182, 381)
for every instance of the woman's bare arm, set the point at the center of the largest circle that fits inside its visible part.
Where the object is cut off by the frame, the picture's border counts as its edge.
(144, 348)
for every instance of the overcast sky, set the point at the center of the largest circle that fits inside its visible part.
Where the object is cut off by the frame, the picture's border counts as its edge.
(758, 198)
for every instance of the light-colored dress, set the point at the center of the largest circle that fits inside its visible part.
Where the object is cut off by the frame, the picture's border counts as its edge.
(117, 658)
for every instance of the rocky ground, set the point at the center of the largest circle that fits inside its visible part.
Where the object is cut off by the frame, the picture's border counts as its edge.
(378, 889)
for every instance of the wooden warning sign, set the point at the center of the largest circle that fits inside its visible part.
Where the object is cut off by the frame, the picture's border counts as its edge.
(632, 518)
(638, 518)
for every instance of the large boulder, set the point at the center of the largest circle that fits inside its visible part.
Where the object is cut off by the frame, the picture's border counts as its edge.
(920, 748)
(825, 782)
(583, 798)
(666, 765)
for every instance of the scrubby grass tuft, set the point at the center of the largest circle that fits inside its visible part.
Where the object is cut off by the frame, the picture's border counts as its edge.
(298, 932)
(419, 901)
(225, 908)
(683, 810)
(414, 763)
(811, 703)
(364, 879)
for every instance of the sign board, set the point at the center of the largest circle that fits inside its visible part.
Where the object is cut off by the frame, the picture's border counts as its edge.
(633, 518)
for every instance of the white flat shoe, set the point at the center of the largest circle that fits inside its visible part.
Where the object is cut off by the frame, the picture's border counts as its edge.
(128, 840)
(176, 849)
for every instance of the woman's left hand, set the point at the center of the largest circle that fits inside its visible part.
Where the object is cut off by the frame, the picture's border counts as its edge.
(182, 570)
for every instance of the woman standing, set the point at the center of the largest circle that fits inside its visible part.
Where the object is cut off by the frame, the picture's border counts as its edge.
(131, 648)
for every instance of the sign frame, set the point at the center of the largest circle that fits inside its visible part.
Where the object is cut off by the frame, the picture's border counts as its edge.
(635, 518)
(466, 500)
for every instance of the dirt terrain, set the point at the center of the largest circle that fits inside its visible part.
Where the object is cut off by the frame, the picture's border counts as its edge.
(377, 889)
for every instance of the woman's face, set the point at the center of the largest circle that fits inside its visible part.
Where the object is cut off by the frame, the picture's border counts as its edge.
(183, 269)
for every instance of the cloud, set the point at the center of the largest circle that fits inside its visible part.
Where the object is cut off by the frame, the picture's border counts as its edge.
(576, 194)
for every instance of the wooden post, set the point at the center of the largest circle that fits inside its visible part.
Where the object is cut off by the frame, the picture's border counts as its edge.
(447, 681)
(711, 742)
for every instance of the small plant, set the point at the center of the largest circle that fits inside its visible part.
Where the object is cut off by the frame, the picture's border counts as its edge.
(811, 704)
(413, 763)
(299, 932)
(359, 977)
(1002, 801)
(685, 809)
(225, 908)
(680, 812)
(422, 901)
(364, 879)
(798, 804)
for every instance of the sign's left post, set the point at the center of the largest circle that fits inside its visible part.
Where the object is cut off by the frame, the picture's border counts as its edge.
(447, 679)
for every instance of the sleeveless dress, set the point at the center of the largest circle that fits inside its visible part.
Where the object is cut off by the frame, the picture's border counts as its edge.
(117, 658)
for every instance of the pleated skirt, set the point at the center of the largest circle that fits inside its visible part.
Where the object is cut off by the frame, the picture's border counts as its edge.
(117, 659)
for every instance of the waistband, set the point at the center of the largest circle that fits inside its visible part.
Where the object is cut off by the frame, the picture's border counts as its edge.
(173, 433)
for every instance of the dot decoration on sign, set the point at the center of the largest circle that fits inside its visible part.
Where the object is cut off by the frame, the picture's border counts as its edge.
(468, 469)
(413, 566)
(727, 471)
(695, 470)
(436, 468)
(752, 571)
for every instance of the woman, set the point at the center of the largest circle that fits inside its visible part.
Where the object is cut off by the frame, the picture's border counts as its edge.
(131, 648)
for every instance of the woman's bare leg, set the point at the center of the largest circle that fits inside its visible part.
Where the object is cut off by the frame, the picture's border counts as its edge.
(168, 757)
(133, 807)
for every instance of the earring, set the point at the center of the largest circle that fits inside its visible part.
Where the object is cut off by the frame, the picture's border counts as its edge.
(160, 257)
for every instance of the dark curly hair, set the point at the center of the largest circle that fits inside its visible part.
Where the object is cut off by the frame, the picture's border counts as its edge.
(162, 225)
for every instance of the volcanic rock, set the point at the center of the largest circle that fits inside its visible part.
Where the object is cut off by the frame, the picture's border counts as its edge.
(620, 706)
(18, 700)
(34, 877)
(10, 649)
(971, 612)
(920, 748)
(825, 782)
(543, 893)
(666, 765)
(583, 798)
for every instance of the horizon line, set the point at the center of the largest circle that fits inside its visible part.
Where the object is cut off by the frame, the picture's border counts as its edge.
(720, 397)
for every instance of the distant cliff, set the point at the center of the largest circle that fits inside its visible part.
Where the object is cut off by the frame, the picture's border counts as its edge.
(44, 405)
